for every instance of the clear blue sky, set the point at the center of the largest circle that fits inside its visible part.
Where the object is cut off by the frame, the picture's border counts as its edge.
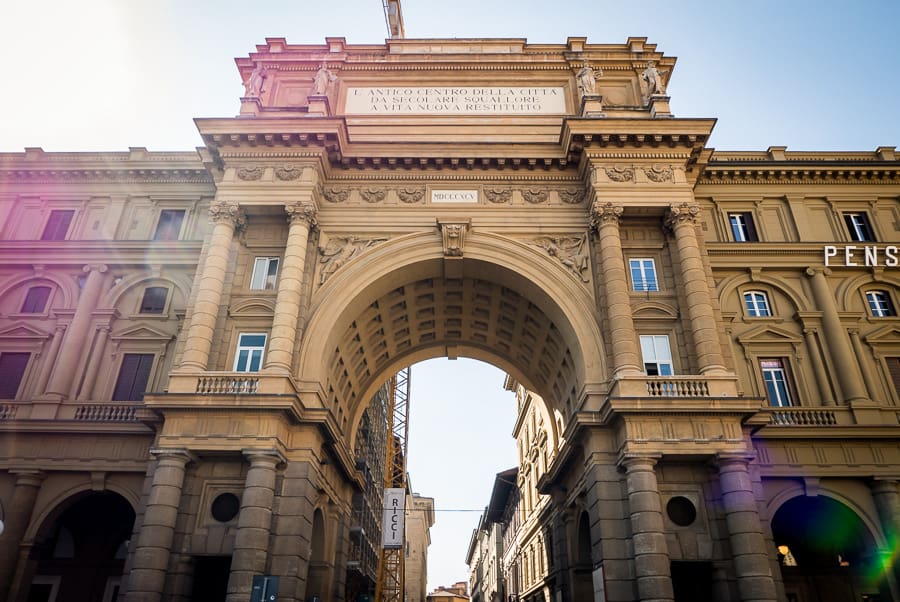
(109, 74)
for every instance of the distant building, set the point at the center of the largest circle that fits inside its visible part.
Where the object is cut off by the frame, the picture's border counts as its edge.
(457, 592)
(419, 520)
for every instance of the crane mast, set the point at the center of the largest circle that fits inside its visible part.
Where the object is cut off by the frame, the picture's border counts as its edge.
(391, 565)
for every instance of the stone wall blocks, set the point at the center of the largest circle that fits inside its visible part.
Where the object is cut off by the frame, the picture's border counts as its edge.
(649, 543)
(743, 522)
(644, 501)
(251, 517)
(257, 497)
(160, 516)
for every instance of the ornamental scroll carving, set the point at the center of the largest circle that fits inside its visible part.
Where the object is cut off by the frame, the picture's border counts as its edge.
(534, 196)
(453, 237)
(339, 251)
(605, 213)
(682, 213)
(620, 174)
(659, 174)
(571, 196)
(570, 251)
(288, 173)
(223, 211)
(336, 195)
(304, 211)
(372, 195)
(411, 195)
(250, 174)
(498, 196)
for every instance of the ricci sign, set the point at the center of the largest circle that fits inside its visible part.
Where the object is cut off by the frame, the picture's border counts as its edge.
(852, 256)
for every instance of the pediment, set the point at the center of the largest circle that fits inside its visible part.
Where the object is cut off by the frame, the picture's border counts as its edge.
(144, 332)
(22, 330)
(654, 309)
(886, 334)
(255, 307)
(766, 333)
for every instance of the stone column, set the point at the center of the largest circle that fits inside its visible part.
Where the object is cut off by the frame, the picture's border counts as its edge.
(302, 217)
(815, 353)
(16, 520)
(77, 333)
(157, 533)
(868, 376)
(887, 503)
(90, 376)
(251, 542)
(848, 373)
(226, 218)
(651, 555)
(623, 339)
(50, 358)
(682, 219)
(745, 533)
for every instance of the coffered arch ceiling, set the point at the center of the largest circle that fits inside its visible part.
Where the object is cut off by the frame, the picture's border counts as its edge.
(487, 310)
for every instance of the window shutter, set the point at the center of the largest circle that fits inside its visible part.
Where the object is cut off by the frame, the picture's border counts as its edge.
(133, 377)
(894, 368)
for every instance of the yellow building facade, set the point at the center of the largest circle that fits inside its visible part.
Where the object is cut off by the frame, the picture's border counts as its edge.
(188, 341)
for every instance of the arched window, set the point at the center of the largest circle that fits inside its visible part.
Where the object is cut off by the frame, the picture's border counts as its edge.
(757, 304)
(880, 304)
(36, 300)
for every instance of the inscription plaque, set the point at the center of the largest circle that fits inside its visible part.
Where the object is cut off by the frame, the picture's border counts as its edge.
(452, 100)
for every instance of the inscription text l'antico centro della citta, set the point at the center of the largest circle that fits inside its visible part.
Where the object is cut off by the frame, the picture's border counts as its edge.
(456, 100)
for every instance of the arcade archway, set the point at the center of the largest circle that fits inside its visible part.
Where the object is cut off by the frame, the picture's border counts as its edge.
(827, 553)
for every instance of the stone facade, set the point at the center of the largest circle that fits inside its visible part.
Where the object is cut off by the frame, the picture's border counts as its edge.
(188, 341)
(419, 520)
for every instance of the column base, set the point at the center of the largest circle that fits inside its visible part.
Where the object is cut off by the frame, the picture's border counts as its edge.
(592, 106)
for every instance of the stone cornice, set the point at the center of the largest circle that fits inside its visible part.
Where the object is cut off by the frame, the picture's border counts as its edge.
(779, 166)
(119, 252)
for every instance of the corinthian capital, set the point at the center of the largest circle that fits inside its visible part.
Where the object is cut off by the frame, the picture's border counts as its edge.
(682, 213)
(302, 211)
(605, 213)
(223, 211)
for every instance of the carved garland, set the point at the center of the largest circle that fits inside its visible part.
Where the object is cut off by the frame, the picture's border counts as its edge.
(372, 195)
(534, 196)
(411, 195)
(336, 195)
(571, 196)
(288, 173)
(498, 196)
(250, 173)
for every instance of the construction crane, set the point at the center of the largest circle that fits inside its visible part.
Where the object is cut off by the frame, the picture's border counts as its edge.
(391, 565)
(393, 18)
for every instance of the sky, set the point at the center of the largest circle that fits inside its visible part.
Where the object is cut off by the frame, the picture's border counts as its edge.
(105, 75)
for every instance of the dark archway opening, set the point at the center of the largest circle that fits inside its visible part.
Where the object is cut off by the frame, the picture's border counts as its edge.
(82, 557)
(826, 553)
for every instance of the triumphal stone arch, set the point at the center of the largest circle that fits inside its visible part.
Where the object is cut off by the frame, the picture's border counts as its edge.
(704, 375)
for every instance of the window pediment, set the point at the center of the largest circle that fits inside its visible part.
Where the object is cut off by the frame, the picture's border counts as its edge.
(21, 330)
(143, 332)
(769, 334)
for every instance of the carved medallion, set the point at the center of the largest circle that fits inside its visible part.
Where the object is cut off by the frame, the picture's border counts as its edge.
(498, 196)
(620, 174)
(288, 173)
(571, 196)
(372, 195)
(411, 195)
(339, 251)
(659, 174)
(570, 251)
(336, 195)
(534, 196)
(250, 173)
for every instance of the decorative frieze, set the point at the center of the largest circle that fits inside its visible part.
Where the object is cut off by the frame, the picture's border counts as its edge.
(336, 195)
(570, 251)
(620, 174)
(571, 196)
(250, 174)
(339, 250)
(288, 173)
(534, 196)
(373, 195)
(411, 195)
(498, 196)
(659, 173)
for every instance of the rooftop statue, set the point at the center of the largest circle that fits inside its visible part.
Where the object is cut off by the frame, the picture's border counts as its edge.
(587, 79)
(322, 79)
(253, 87)
(653, 77)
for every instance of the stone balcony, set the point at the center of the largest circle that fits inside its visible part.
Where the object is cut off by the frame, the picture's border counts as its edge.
(232, 383)
(686, 387)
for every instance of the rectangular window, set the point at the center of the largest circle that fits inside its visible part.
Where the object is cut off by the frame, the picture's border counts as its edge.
(880, 304)
(58, 225)
(12, 369)
(134, 374)
(265, 271)
(154, 300)
(757, 304)
(775, 376)
(36, 300)
(742, 227)
(894, 369)
(169, 225)
(643, 274)
(250, 349)
(657, 355)
(859, 227)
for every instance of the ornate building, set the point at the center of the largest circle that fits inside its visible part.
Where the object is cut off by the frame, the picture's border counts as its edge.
(189, 341)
